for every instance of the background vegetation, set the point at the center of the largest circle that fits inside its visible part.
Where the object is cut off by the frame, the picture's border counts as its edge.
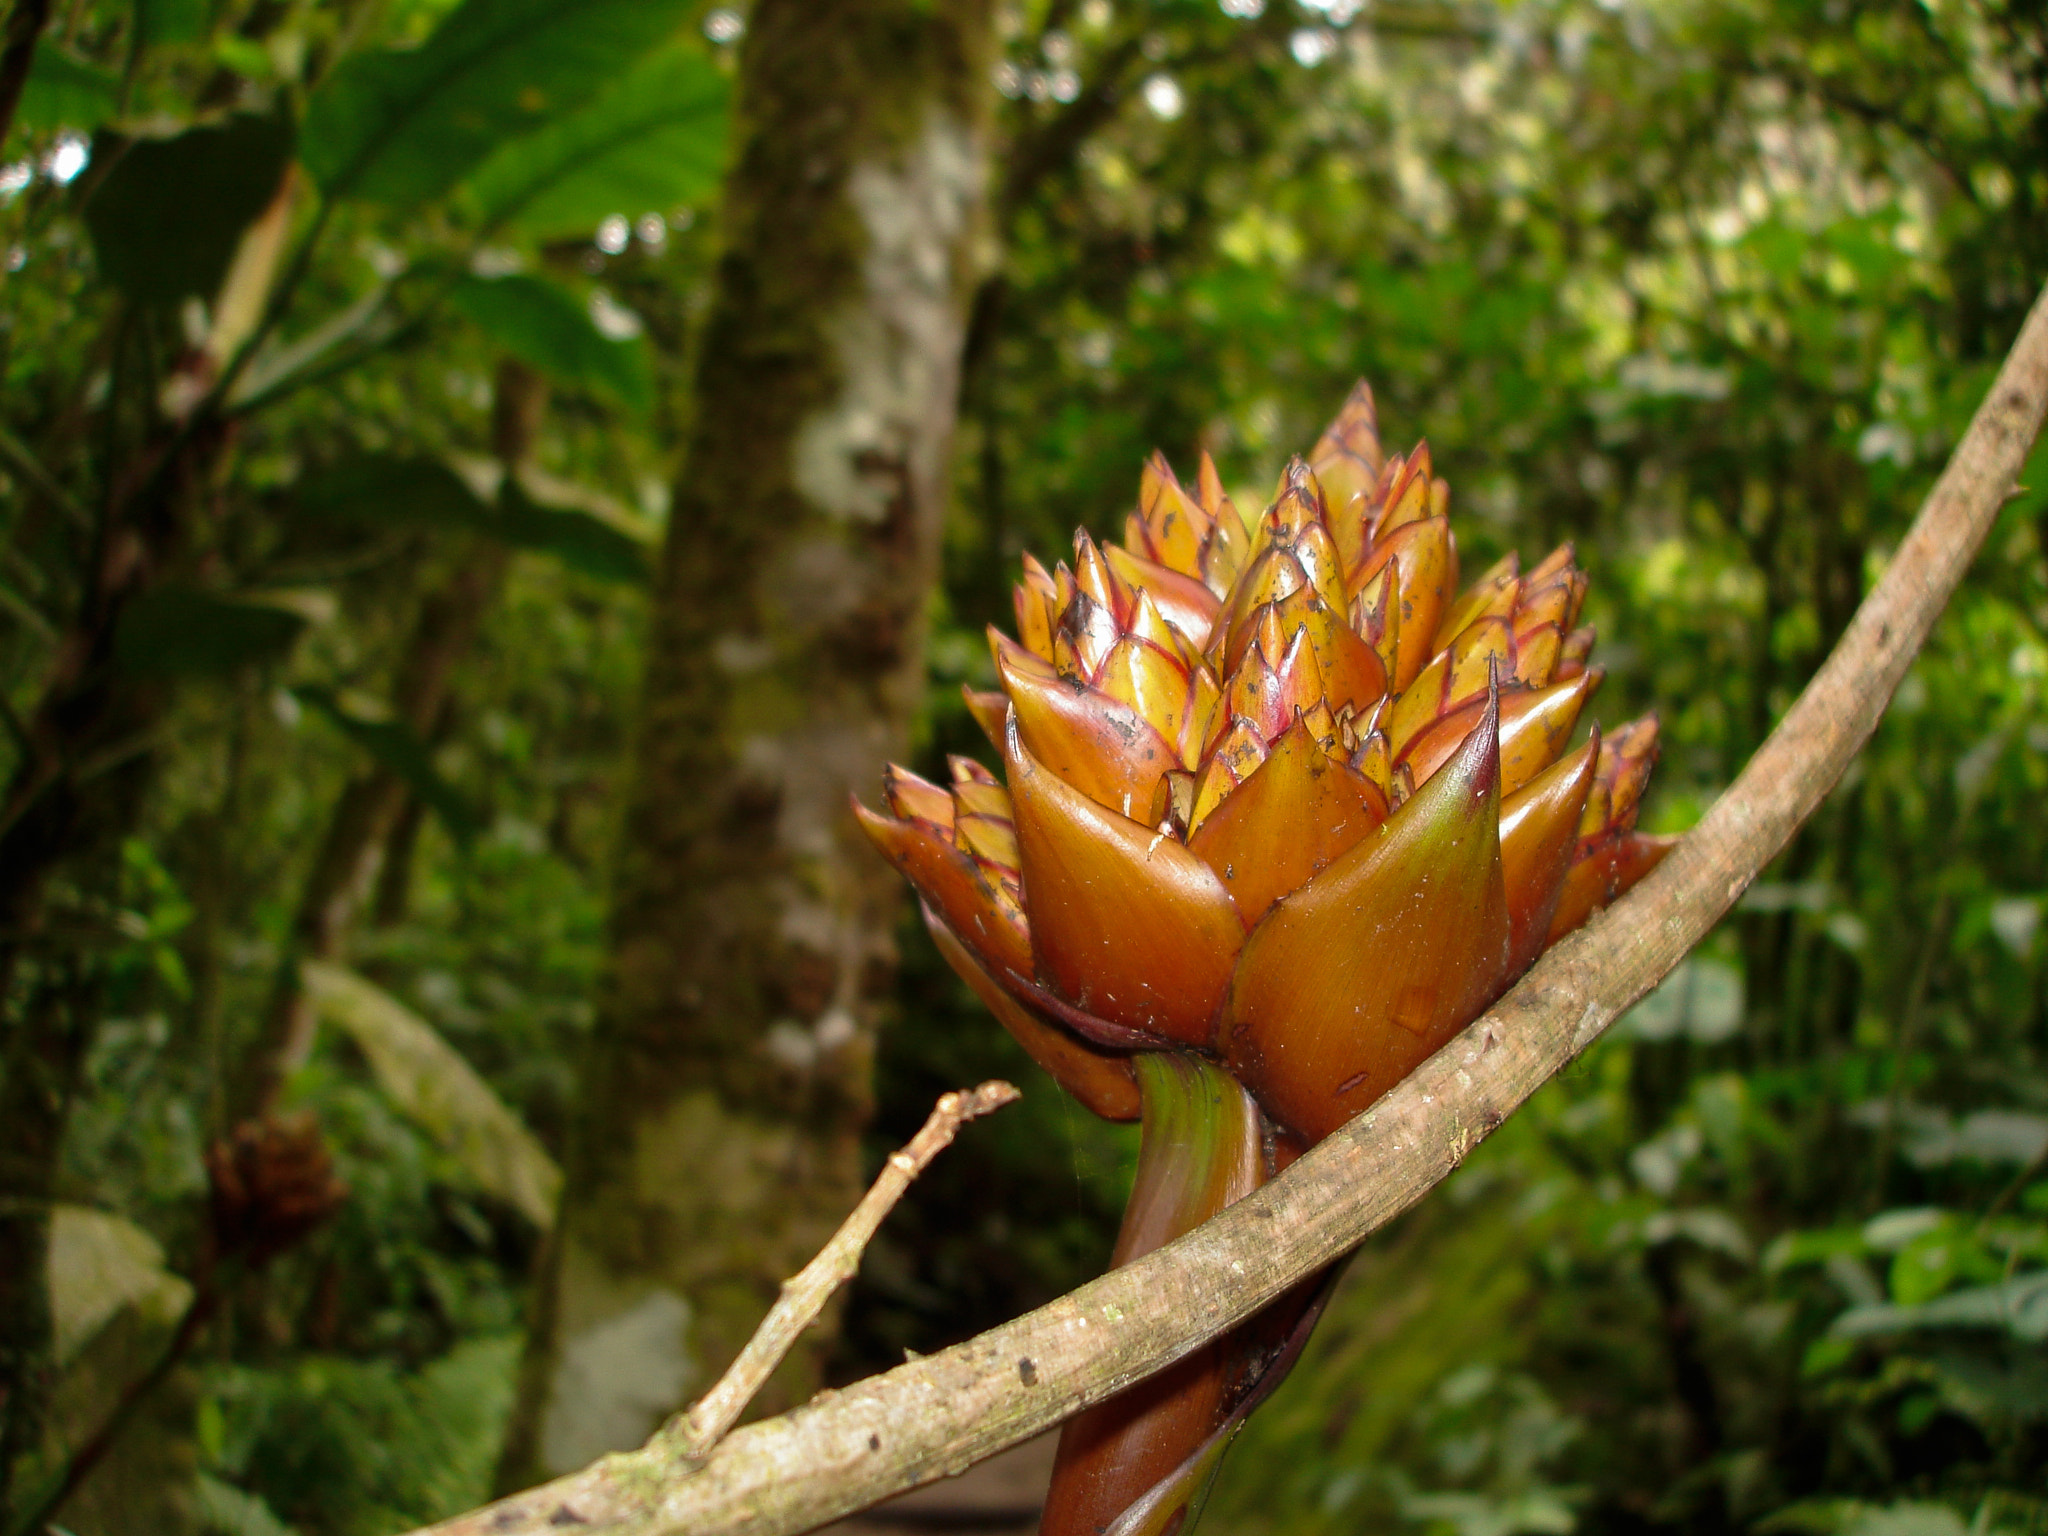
(1708, 286)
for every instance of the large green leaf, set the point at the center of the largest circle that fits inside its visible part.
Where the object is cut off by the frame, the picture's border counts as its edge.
(425, 493)
(439, 1091)
(654, 140)
(2018, 1306)
(544, 326)
(177, 631)
(168, 214)
(173, 21)
(395, 490)
(101, 1265)
(64, 92)
(574, 537)
(396, 746)
(403, 127)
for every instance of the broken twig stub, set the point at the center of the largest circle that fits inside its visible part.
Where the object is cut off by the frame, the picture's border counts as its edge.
(804, 1294)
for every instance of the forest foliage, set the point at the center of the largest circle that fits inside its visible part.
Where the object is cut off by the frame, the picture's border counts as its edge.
(1707, 286)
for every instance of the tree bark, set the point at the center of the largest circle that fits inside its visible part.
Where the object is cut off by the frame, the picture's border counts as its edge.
(750, 950)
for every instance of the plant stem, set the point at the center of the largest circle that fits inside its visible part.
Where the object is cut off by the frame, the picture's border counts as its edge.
(804, 1296)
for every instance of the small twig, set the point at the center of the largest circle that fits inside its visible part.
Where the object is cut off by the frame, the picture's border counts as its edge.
(804, 1296)
(31, 617)
(22, 459)
(2007, 1195)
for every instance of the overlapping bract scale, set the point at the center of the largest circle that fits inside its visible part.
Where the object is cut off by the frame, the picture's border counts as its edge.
(1133, 929)
(958, 846)
(1198, 536)
(1362, 973)
(1286, 806)
(1610, 854)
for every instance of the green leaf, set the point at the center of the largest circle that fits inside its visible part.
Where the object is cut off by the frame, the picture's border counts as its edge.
(244, 56)
(1826, 1354)
(179, 632)
(2019, 1306)
(101, 1266)
(577, 539)
(439, 1091)
(544, 326)
(64, 92)
(396, 746)
(654, 140)
(166, 218)
(228, 1509)
(391, 491)
(395, 491)
(173, 21)
(403, 127)
(1794, 1249)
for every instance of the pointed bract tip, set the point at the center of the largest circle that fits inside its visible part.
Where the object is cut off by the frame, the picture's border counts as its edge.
(883, 831)
(988, 707)
(1479, 758)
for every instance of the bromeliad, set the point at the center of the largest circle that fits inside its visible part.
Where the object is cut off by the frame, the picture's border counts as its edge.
(1282, 810)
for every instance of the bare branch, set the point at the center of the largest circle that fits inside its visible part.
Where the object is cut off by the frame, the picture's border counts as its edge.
(933, 1417)
(23, 461)
(804, 1297)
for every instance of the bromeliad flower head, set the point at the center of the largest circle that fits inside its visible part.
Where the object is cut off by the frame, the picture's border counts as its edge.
(1278, 793)
(1282, 811)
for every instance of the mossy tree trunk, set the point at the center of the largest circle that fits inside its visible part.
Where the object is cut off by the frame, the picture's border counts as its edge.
(728, 1077)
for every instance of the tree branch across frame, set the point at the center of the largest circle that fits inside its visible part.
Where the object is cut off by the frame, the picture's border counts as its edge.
(934, 1417)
